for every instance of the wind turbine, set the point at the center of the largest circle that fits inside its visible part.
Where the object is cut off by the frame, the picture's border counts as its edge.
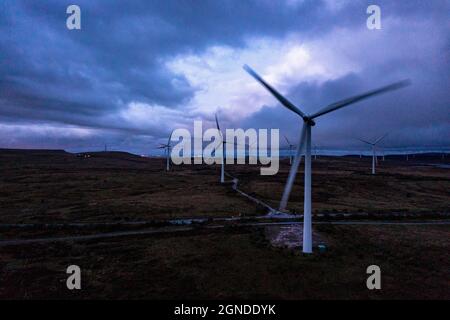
(222, 166)
(167, 148)
(315, 152)
(374, 155)
(305, 142)
(290, 149)
(223, 143)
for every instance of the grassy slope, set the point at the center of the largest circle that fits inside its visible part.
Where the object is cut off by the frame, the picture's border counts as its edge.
(237, 263)
(55, 186)
(345, 184)
(109, 187)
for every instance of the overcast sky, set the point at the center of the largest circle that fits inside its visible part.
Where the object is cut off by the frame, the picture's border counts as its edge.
(138, 69)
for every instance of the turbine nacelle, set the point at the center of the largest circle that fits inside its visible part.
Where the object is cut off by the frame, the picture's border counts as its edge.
(309, 121)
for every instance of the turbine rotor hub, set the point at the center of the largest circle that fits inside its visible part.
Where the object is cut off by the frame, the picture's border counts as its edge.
(309, 121)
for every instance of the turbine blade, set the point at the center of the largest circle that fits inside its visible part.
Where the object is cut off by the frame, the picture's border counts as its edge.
(170, 138)
(380, 138)
(217, 122)
(285, 102)
(287, 140)
(354, 99)
(293, 170)
(366, 142)
(218, 128)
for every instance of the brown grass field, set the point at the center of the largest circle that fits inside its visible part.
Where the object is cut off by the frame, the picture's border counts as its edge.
(217, 263)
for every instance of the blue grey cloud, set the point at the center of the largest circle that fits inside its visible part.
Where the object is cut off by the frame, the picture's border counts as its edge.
(51, 76)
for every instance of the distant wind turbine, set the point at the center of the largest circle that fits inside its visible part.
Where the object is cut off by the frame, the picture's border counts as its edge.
(308, 122)
(374, 155)
(291, 146)
(167, 148)
(315, 152)
(223, 142)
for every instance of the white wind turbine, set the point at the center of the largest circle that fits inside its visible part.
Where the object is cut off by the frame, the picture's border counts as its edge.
(374, 153)
(308, 122)
(223, 142)
(167, 148)
(291, 146)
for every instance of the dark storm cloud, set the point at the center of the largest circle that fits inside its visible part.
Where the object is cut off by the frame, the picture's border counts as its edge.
(51, 75)
(412, 120)
(417, 116)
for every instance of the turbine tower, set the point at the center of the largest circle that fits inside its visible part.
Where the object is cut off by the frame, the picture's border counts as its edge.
(222, 166)
(167, 148)
(374, 154)
(305, 142)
